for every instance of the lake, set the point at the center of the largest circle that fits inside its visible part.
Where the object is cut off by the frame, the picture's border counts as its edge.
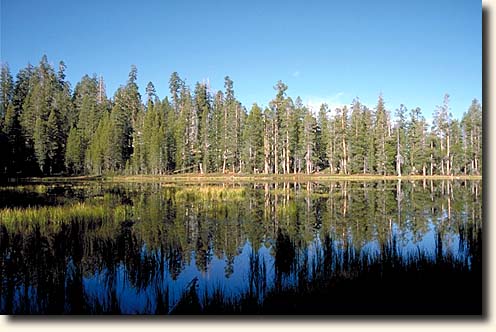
(383, 247)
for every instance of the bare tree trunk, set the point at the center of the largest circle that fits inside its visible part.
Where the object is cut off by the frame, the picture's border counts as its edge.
(276, 156)
(224, 163)
(398, 156)
(287, 148)
(266, 148)
(345, 157)
(284, 160)
(448, 164)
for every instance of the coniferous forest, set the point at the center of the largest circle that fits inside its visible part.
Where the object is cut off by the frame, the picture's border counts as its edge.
(49, 128)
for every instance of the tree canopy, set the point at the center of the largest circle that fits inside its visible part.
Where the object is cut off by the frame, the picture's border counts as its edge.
(48, 128)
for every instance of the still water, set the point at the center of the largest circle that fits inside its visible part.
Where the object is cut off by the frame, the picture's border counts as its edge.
(382, 247)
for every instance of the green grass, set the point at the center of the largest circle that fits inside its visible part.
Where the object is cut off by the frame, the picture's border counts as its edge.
(211, 193)
(247, 178)
(28, 218)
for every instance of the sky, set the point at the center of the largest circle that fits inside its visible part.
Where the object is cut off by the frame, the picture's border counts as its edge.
(413, 52)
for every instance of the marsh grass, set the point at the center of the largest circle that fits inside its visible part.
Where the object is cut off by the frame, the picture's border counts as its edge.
(211, 193)
(25, 219)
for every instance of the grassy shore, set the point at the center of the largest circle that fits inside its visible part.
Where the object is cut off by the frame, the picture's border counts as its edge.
(235, 177)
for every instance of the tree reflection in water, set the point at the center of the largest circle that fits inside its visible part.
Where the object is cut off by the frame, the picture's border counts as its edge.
(341, 247)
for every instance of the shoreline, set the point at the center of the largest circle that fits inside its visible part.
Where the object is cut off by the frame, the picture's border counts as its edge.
(247, 178)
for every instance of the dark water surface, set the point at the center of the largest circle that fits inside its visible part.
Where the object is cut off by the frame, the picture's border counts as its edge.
(313, 248)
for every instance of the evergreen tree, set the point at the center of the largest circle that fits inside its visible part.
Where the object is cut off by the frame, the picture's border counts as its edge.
(268, 140)
(176, 85)
(400, 129)
(75, 153)
(97, 157)
(296, 147)
(283, 108)
(417, 152)
(216, 133)
(340, 133)
(204, 114)
(381, 138)
(441, 125)
(322, 138)
(358, 138)
(168, 129)
(458, 159)
(55, 142)
(309, 131)
(231, 128)
(472, 137)
(371, 144)
(11, 146)
(6, 90)
(45, 131)
(252, 154)
(40, 141)
(24, 160)
(36, 111)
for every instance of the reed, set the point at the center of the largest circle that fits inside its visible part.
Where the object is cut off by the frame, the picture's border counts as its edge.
(211, 193)
(22, 219)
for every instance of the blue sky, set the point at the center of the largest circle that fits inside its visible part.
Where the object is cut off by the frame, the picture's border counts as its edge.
(325, 51)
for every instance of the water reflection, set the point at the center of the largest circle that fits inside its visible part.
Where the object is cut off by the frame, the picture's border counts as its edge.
(343, 247)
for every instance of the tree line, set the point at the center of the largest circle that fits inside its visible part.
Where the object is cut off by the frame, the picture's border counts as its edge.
(49, 129)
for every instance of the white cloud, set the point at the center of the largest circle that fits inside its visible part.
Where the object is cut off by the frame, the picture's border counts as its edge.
(337, 100)
(333, 101)
(296, 74)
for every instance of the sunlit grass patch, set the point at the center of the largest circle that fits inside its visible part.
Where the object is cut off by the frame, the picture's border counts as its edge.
(215, 193)
(25, 219)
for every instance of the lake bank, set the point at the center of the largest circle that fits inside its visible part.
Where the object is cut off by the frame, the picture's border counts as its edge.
(244, 178)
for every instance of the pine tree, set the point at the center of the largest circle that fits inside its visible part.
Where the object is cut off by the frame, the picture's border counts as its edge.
(204, 114)
(381, 138)
(252, 153)
(340, 133)
(90, 103)
(138, 159)
(371, 144)
(97, 157)
(322, 138)
(230, 128)
(6, 90)
(458, 158)
(441, 124)
(282, 115)
(176, 85)
(55, 143)
(309, 130)
(296, 148)
(168, 129)
(36, 110)
(216, 133)
(268, 139)
(472, 132)
(24, 157)
(417, 152)
(40, 143)
(44, 131)
(358, 138)
(400, 138)
(11, 161)
(75, 154)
